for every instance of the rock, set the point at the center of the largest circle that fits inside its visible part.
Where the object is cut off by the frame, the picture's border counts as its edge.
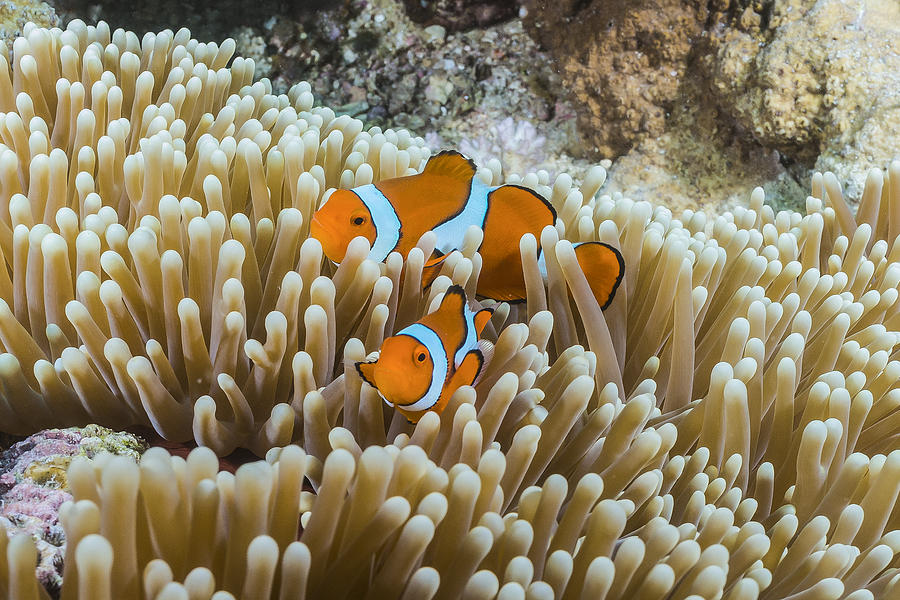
(33, 485)
(458, 15)
(427, 79)
(435, 33)
(207, 19)
(438, 89)
(819, 80)
(622, 62)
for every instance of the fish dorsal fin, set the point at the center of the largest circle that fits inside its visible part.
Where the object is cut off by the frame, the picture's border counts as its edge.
(450, 163)
(454, 301)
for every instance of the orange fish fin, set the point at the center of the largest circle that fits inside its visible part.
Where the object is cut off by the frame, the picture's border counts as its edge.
(436, 259)
(487, 353)
(451, 163)
(432, 268)
(501, 293)
(454, 300)
(522, 204)
(412, 417)
(366, 370)
(481, 319)
(467, 372)
(603, 267)
(429, 274)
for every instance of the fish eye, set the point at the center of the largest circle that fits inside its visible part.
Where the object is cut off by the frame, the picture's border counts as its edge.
(358, 220)
(421, 357)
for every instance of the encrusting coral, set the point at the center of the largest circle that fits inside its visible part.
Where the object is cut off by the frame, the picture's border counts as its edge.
(728, 428)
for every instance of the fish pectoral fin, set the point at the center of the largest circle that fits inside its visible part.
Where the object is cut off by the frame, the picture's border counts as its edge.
(436, 259)
(487, 353)
(482, 317)
(469, 369)
(432, 268)
(411, 417)
(603, 267)
(487, 289)
(451, 163)
(366, 370)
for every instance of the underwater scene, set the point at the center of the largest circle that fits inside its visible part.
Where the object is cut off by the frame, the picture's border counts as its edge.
(450, 300)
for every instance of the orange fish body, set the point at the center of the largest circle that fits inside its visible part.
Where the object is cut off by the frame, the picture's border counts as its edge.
(421, 367)
(447, 198)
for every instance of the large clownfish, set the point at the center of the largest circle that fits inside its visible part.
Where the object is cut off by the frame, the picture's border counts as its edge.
(421, 367)
(447, 198)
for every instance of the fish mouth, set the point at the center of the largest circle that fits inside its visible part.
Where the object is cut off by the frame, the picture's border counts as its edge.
(385, 385)
(325, 235)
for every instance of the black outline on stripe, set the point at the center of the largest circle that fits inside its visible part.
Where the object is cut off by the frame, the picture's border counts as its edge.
(462, 207)
(458, 290)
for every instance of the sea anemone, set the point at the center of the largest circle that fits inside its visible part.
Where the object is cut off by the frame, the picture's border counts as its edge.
(155, 210)
(727, 428)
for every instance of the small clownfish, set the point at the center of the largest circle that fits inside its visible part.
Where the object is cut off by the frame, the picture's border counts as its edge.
(421, 367)
(447, 198)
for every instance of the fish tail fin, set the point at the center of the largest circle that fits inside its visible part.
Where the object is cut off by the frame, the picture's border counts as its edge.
(603, 267)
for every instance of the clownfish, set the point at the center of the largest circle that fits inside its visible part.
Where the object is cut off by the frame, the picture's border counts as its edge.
(421, 367)
(447, 198)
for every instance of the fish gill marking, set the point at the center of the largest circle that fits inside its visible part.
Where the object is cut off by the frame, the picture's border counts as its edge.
(384, 218)
(474, 212)
(440, 366)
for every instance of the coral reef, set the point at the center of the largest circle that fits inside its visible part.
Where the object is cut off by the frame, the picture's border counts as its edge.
(33, 486)
(456, 15)
(14, 15)
(621, 61)
(209, 19)
(695, 80)
(792, 77)
(701, 163)
(368, 60)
